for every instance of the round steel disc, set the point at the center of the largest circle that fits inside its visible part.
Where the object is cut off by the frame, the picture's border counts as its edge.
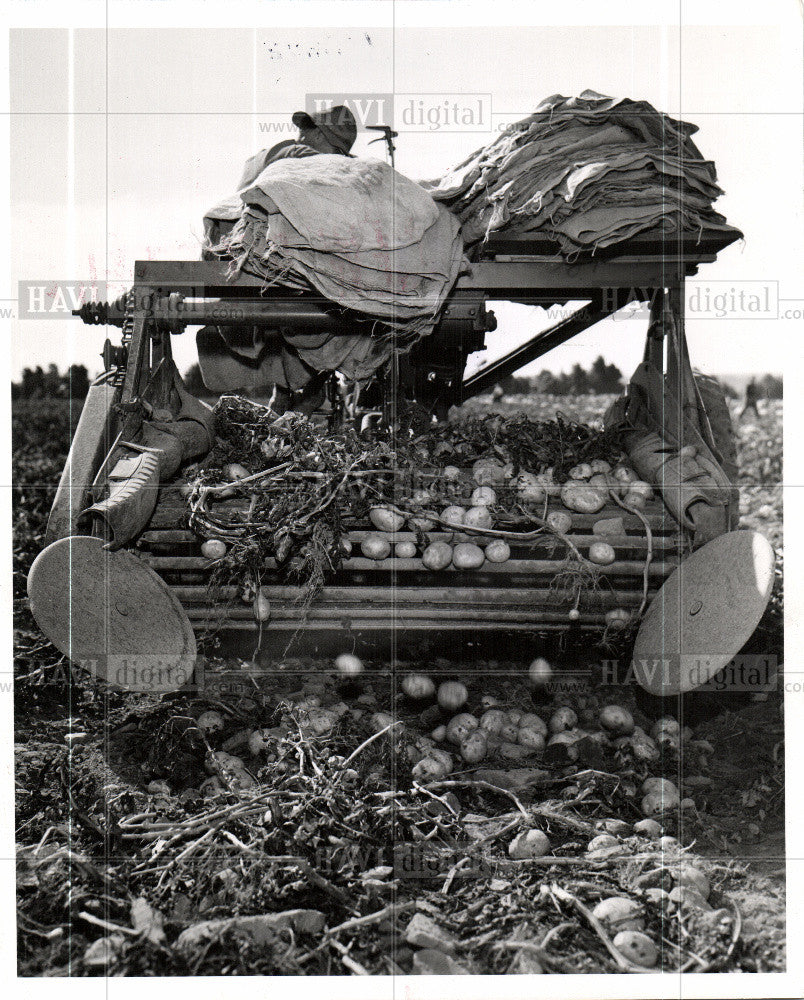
(112, 615)
(704, 614)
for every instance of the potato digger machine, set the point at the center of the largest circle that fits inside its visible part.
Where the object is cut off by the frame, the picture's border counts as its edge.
(123, 585)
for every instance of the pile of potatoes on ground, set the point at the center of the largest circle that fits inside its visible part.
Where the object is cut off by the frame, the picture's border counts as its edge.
(513, 734)
(493, 487)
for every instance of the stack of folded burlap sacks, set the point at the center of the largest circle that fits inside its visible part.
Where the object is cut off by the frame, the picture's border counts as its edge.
(587, 171)
(356, 231)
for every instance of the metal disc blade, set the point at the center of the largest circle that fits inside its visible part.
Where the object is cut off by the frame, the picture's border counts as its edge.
(111, 614)
(704, 614)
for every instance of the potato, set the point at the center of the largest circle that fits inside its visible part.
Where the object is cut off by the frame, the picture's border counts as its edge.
(529, 489)
(635, 500)
(608, 527)
(210, 722)
(668, 743)
(498, 551)
(439, 734)
(405, 550)
(684, 895)
(430, 769)
(442, 756)
(648, 828)
(210, 788)
(619, 913)
(375, 547)
(617, 619)
(662, 785)
(599, 465)
(601, 553)
(514, 715)
(637, 948)
(421, 497)
(466, 555)
(565, 738)
(624, 475)
(656, 802)
(559, 521)
(425, 521)
(664, 725)
(483, 496)
(641, 488)
(530, 738)
(581, 471)
(488, 472)
(539, 672)
(532, 721)
(474, 747)
(563, 719)
(386, 519)
(478, 517)
(459, 727)
(418, 686)
(602, 481)
(213, 548)
(318, 722)
(693, 878)
(437, 556)
(617, 720)
(451, 473)
(581, 498)
(644, 748)
(530, 844)
(602, 841)
(235, 471)
(509, 732)
(218, 761)
(381, 720)
(454, 515)
(258, 740)
(492, 721)
(452, 695)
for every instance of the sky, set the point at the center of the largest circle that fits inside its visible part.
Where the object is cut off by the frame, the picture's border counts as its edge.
(121, 139)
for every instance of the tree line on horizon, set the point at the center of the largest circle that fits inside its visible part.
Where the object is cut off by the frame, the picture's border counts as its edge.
(50, 383)
(600, 378)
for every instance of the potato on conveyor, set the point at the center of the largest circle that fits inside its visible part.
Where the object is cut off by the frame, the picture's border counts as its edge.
(466, 555)
(478, 517)
(454, 515)
(498, 551)
(385, 519)
(529, 489)
(483, 496)
(213, 548)
(602, 553)
(437, 555)
(375, 547)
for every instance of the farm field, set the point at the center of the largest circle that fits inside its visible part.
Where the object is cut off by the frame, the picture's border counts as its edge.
(121, 858)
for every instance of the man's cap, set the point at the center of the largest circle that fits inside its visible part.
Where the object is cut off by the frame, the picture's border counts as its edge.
(338, 125)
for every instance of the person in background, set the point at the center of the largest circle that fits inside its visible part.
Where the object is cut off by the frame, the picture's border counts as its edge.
(271, 358)
(751, 397)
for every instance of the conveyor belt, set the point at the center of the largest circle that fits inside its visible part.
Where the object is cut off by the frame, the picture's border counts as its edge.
(393, 593)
